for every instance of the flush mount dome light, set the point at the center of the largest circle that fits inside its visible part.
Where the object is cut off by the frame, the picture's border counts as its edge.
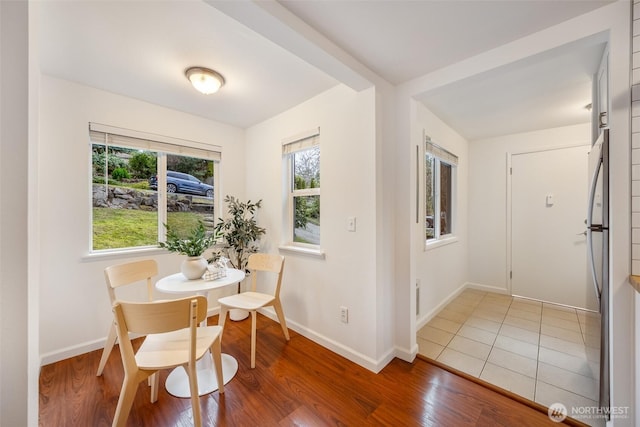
(204, 80)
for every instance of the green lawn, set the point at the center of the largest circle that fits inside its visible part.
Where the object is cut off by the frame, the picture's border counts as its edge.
(126, 228)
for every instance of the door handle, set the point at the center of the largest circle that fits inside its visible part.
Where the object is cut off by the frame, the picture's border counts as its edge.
(584, 233)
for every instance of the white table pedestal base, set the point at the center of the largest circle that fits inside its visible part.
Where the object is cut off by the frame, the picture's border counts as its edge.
(177, 383)
(237, 314)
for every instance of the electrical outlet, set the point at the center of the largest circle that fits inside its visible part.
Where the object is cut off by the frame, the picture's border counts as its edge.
(344, 314)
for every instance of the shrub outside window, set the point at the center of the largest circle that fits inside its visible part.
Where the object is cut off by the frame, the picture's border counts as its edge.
(302, 158)
(139, 184)
(440, 174)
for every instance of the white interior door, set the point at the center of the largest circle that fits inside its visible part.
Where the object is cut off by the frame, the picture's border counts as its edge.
(548, 211)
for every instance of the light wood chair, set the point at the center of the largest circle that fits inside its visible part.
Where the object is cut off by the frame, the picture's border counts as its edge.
(121, 275)
(173, 338)
(251, 301)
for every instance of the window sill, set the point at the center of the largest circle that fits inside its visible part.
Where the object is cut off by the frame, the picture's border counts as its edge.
(123, 253)
(439, 243)
(312, 252)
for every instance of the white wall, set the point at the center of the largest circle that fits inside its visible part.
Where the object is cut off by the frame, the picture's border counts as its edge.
(386, 188)
(488, 196)
(313, 288)
(441, 270)
(74, 305)
(18, 384)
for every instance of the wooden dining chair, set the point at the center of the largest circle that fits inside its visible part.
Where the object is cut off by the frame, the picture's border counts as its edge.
(172, 339)
(121, 275)
(252, 300)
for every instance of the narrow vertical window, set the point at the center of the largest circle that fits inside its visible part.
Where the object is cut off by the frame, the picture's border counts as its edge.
(430, 192)
(445, 198)
(302, 158)
(440, 172)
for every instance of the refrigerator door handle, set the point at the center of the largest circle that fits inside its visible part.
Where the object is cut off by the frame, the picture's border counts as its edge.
(591, 229)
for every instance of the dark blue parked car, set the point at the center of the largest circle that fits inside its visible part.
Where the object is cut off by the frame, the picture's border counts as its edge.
(178, 182)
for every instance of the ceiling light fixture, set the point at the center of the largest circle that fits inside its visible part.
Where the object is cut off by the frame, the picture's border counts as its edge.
(204, 80)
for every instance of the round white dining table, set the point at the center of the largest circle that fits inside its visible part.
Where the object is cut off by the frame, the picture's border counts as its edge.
(177, 382)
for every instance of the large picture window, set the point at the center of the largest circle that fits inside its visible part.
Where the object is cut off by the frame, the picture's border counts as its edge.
(440, 177)
(302, 157)
(141, 182)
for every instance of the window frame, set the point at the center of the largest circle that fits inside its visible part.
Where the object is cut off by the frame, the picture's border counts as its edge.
(290, 147)
(162, 146)
(440, 156)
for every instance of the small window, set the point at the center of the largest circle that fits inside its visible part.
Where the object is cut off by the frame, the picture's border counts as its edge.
(440, 174)
(302, 157)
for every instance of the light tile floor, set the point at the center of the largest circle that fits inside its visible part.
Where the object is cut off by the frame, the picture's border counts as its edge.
(544, 352)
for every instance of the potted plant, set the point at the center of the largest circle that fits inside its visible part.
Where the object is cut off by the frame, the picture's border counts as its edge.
(193, 246)
(239, 233)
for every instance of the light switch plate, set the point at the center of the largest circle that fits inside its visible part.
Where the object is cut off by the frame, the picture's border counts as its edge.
(351, 223)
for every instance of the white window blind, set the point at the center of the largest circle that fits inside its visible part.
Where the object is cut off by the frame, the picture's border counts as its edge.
(439, 152)
(301, 141)
(110, 135)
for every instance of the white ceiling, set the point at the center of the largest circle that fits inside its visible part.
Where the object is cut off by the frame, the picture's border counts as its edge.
(141, 49)
(546, 91)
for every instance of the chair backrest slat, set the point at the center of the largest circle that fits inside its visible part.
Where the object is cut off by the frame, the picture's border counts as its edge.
(128, 273)
(161, 316)
(266, 263)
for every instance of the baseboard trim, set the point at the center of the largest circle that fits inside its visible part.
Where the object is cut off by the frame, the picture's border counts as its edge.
(487, 288)
(426, 318)
(423, 320)
(72, 351)
(406, 354)
(338, 348)
(89, 346)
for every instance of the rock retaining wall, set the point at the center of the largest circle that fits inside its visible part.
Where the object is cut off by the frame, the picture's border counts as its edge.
(131, 198)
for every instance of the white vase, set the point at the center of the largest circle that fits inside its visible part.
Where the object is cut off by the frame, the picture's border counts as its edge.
(194, 267)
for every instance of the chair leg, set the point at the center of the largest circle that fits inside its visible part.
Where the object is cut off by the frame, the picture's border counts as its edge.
(154, 382)
(283, 322)
(195, 398)
(253, 339)
(216, 352)
(127, 396)
(222, 318)
(108, 346)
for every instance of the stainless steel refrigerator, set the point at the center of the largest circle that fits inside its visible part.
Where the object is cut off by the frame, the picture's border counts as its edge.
(598, 251)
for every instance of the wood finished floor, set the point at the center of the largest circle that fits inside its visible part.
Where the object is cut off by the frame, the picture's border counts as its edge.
(298, 383)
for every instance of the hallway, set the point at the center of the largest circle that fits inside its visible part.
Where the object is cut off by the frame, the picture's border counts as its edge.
(544, 352)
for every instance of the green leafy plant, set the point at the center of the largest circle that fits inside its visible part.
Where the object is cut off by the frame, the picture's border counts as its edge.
(194, 244)
(120, 174)
(143, 164)
(240, 232)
